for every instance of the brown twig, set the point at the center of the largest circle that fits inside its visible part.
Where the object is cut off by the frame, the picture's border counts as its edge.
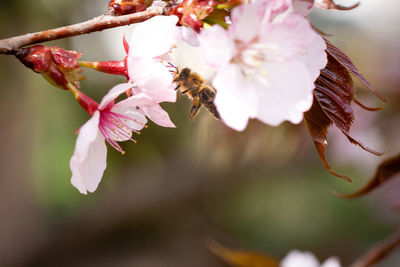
(11, 45)
(378, 252)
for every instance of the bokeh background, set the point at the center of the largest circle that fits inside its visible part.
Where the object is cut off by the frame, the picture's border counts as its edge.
(263, 189)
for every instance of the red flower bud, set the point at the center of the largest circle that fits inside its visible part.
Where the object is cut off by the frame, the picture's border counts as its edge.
(124, 7)
(57, 65)
(192, 12)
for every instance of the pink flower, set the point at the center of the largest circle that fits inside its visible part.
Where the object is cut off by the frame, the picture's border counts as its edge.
(147, 66)
(110, 122)
(149, 46)
(266, 64)
(306, 259)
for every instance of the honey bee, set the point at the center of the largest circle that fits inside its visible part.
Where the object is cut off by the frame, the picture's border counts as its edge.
(191, 84)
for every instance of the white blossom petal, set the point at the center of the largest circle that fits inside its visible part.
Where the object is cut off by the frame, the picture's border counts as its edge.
(331, 262)
(159, 116)
(114, 93)
(154, 37)
(189, 36)
(287, 38)
(216, 46)
(247, 21)
(152, 78)
(89, 159)
(288, 95)
(235, 101)
(299, 259)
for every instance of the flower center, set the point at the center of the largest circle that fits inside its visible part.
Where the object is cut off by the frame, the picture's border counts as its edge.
(251, 58)
(115, 127)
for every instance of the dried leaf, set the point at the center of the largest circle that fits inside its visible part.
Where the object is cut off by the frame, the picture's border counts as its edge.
(379, 251)
(238, 258)
(385, 171)
(333, 95)
(346, 62)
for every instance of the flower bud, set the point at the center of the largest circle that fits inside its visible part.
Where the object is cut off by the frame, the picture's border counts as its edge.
(56, 65)
(192, 12)
(124, 7)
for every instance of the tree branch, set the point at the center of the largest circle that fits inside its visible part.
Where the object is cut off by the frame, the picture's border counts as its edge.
(11, 45)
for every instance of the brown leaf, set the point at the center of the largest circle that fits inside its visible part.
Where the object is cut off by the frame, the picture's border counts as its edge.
(379, 251)
(346, 62)
(385, 171)
(239, 258)
(333, 95)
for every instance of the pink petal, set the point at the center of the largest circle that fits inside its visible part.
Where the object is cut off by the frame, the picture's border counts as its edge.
(114, 93)
(302, 7)
(217, 47)
(287, 38)
(152, 78)
(314, 57)
(158, 115)
(288, 95)
(189, 36)
(246, 21)
(89, 159)
(235, 101)
(154, 37)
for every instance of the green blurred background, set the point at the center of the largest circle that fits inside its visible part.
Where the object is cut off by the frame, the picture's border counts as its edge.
(263, 189)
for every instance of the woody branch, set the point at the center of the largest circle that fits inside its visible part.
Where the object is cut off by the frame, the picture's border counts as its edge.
(11, 45)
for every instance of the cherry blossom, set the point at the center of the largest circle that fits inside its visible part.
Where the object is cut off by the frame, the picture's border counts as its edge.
(111, 122)
(147, 64)
(306, 259)
(266, 64)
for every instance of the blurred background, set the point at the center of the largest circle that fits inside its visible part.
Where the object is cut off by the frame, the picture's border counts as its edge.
(263, 189)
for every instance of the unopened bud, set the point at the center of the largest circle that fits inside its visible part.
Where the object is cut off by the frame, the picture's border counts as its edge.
(191, 13)
(55, 64)
(124, 7)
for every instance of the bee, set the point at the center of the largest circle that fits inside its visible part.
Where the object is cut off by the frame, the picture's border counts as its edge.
(191, 84)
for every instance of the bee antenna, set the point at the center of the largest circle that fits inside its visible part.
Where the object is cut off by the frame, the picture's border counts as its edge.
(172, 65)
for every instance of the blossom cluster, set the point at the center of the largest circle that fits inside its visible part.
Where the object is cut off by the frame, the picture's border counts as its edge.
(265, 53)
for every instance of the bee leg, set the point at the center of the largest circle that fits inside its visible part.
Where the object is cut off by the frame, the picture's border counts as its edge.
(194, 108)
(177, 87)
(184, 92)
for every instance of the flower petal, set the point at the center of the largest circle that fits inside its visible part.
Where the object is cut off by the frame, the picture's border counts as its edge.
(114, 93)
(302, 7)
(154, 37)
(158, 115)
(189, 36)
(287, 38)
(152, 78)
(235, 101)
(216, 46)
(246, 21)
(297, 258)
(331, 262)
(89, 159)
(314, 57)
(288, 95)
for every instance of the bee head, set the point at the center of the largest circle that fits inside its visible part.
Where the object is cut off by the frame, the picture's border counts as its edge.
(183, 74)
